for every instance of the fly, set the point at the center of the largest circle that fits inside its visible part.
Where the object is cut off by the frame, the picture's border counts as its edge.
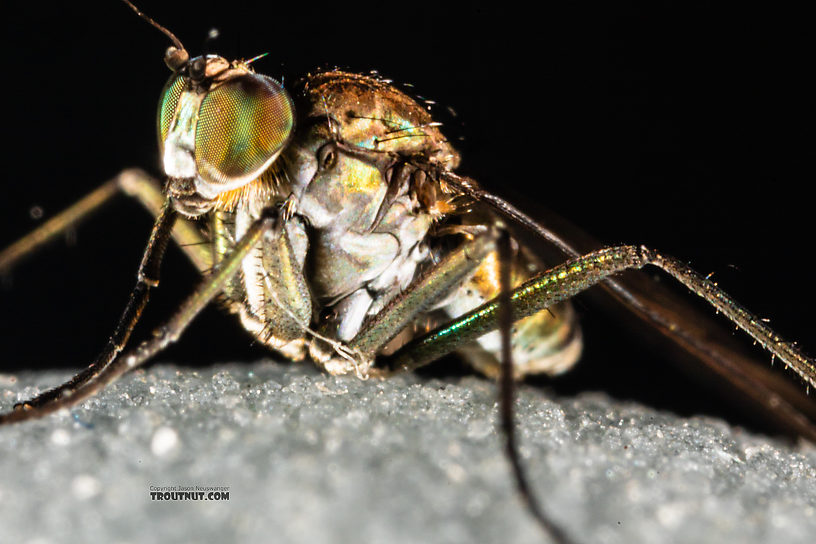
(331, 221)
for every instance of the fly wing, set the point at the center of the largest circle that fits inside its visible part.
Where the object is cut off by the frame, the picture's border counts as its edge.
(697, 339)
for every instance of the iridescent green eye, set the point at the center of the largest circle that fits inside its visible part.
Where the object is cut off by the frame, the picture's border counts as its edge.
(242, 126)
(168, 103)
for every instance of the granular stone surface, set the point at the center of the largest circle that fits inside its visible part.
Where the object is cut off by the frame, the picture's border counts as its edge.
(306, 457)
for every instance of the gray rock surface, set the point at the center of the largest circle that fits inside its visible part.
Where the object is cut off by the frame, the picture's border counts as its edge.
(312, 458)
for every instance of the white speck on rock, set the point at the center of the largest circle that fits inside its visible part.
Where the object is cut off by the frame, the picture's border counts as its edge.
(165, 440)
(60, 437)
(85, 486)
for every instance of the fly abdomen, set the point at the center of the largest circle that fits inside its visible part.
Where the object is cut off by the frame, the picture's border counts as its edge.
(548, 342)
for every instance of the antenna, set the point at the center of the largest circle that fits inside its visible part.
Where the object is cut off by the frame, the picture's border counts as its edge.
(176, 56)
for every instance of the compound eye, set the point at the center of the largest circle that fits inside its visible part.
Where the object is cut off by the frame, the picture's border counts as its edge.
(168, 104)
(242, 126)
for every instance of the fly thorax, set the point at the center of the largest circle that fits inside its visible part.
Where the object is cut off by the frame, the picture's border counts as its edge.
(362, 244)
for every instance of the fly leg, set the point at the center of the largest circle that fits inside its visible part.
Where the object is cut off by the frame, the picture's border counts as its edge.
(148, 277)
(87, 384)
(134, 183)
(561, 283)
(288, 306)
(422, 294)
(669, 314)
(565, 281)
(139, 185)
(506, 317)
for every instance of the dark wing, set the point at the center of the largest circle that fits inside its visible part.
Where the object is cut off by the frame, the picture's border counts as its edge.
(696, 338)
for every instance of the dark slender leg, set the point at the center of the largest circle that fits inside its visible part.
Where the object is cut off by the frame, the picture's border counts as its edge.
(146, 190)
(84, 386)
(148, 277)
(506, 392)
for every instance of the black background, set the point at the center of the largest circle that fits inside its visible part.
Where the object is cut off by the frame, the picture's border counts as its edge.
(685, 128)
